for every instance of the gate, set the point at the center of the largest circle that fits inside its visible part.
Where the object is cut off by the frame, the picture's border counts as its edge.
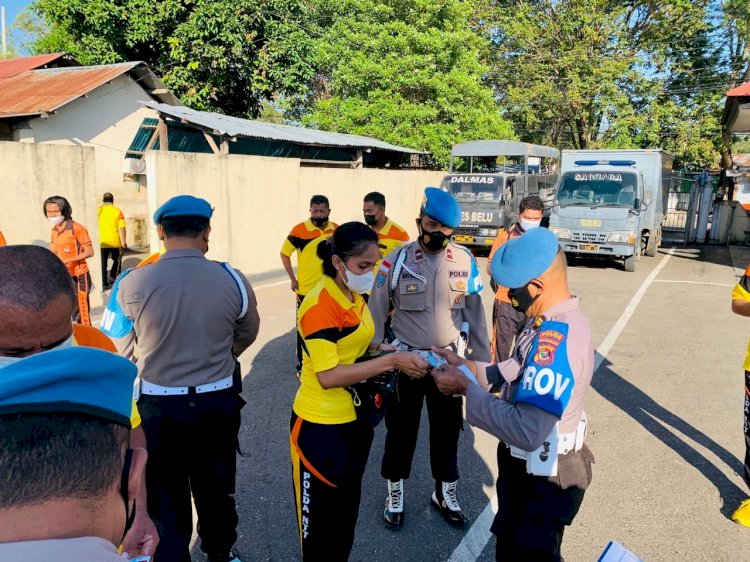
(681, 212)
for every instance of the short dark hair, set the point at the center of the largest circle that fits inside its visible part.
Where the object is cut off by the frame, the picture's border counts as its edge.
(108, 198)
(375, 198)
(532, 202)
(349, 239)
(32, 277)
(319, 200)
(60, 201)
(50, 456)
(184, 227)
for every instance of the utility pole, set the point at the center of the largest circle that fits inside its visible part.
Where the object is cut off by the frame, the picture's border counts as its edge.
(2, 25)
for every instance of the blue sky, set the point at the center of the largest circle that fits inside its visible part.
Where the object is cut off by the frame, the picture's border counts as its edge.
(13, 7)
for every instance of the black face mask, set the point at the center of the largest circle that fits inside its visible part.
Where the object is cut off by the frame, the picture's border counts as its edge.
(371, 220)
(521, 298)
(129, 515)
(320, 222)
(434, 241)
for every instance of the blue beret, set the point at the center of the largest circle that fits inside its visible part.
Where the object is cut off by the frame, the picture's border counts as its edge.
(522, 259)
(78, 380)
(442, 207)
(184, 206)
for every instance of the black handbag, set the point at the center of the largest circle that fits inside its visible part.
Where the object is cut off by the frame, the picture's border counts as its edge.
(371, 396)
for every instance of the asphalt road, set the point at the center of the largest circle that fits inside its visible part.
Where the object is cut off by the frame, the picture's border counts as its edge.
(665, 419)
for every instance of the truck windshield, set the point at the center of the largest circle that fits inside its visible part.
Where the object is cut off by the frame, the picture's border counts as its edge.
(595, 189)
(474, 187)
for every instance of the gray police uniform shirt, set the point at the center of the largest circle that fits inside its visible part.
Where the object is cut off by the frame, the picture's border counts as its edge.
(524, 425)
(429, 312)
(184, 309)
(88, 549)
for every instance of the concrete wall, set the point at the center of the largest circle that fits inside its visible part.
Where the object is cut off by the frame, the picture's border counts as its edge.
(29, 173)
(107, 120)
(257, 200)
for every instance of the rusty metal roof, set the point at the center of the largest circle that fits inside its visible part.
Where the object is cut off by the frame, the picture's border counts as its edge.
(44, 90)
(13, 67)
(740, 91)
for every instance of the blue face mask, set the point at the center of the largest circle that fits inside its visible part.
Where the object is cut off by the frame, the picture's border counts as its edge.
(529, 225)
(5, 361)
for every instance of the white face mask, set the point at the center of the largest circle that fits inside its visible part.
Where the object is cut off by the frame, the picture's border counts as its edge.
(528, 225)
(7, 361)
(358, 283)
(56, 220)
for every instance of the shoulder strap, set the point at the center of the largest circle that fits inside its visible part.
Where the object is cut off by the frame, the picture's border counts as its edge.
(398, 266)
(244, 298)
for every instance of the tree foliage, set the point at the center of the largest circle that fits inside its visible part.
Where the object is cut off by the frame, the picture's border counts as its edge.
(215, 55)
(617, 74)
(430, 73)
(410, 72)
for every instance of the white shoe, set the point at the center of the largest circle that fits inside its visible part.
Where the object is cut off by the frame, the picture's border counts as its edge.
(394, 504)
(448, 504)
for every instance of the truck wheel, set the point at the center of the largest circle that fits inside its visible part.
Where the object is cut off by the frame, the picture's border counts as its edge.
(653, 243)
(630, 263)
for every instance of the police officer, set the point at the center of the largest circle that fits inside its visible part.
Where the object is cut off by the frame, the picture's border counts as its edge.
(544, 467)
(61, 502)
(184, 320)
(37, 300)
(432, 286)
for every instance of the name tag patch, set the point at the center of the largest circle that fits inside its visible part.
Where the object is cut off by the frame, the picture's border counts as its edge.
(547, 381)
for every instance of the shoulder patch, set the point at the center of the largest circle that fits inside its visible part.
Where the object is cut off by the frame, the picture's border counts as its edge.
(548, 380)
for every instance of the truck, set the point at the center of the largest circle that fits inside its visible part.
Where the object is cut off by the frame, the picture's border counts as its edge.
(489, 181)
(611, 203)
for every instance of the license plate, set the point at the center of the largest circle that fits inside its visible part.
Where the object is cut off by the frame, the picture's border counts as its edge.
(591, 222)
(462, 238)
(590, 247)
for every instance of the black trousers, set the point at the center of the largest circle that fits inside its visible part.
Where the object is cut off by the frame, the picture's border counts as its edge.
(402, 422)
(328, 462)
(300, 298)
(507, 322)
(192, 446)
(82, 310)
(532, 512)
(746, 428)
(116, 255)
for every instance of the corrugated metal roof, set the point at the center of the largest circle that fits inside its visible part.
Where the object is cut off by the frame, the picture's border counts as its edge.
(12, 67)
(739, 91)
(741, 160)
(39, 91)
(236, 127)
(486, 148)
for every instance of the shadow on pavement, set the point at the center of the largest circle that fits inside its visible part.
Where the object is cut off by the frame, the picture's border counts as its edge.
(265, 504)
(653, 417)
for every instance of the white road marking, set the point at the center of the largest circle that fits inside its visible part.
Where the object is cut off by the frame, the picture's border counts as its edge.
(475, 540)
(627, 314)
(692, 282)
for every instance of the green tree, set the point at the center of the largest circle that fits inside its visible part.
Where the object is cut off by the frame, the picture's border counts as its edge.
(220, 55)
(410, 72)
(614, 74)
